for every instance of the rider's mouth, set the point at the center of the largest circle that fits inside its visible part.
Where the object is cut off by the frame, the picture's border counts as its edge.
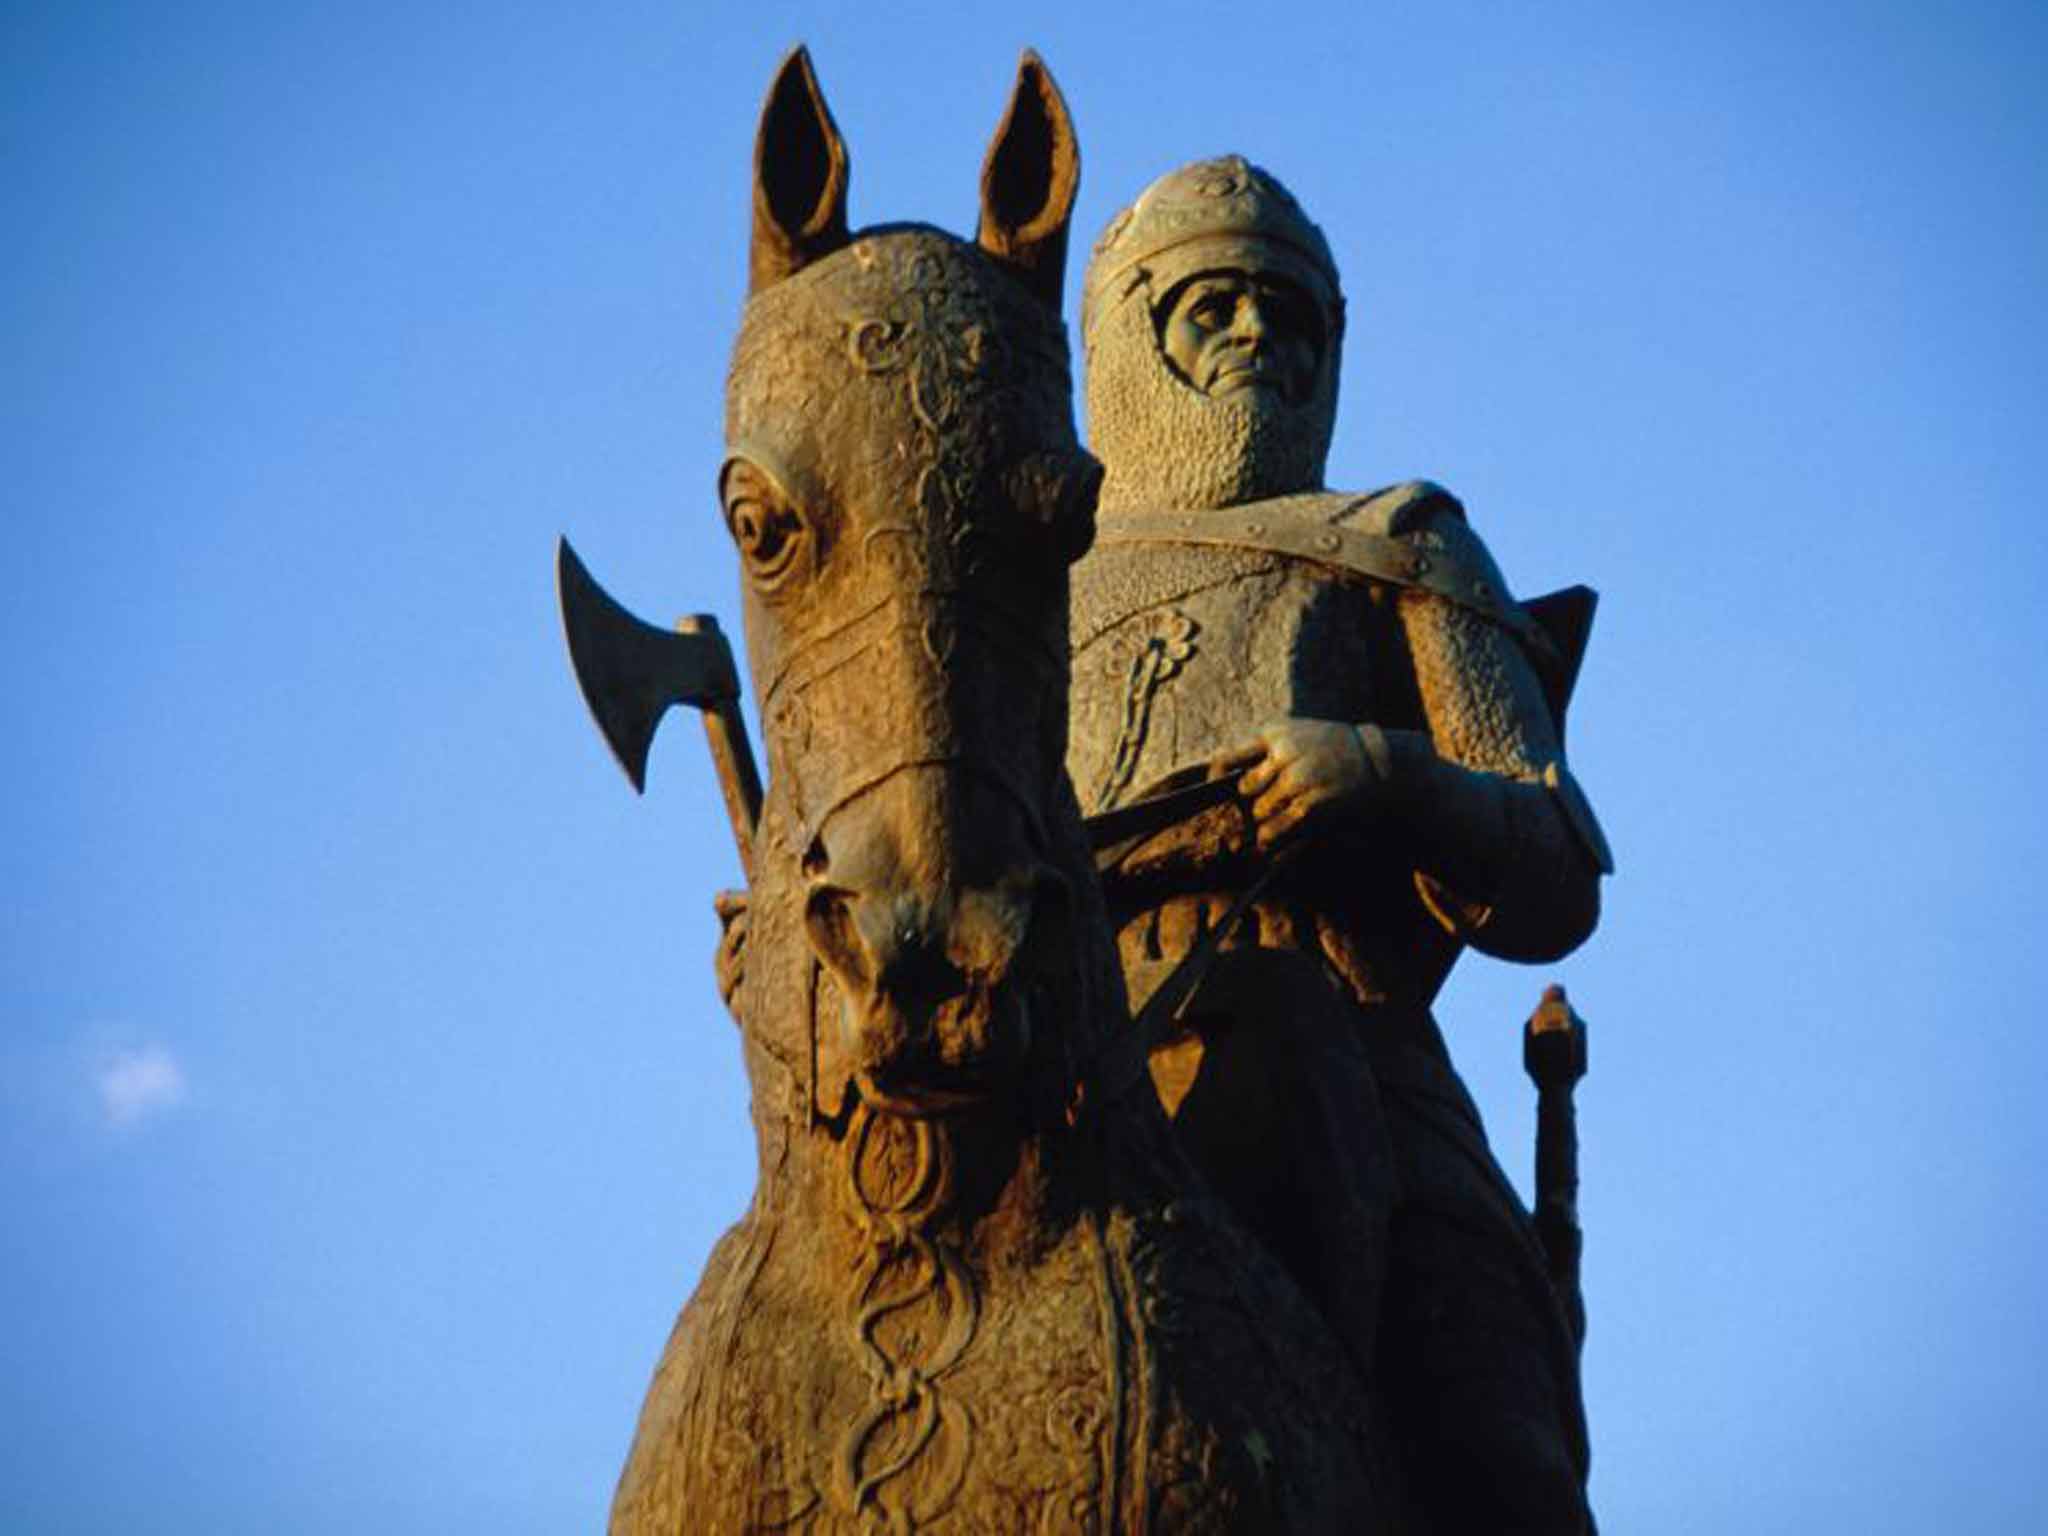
(1254, 372)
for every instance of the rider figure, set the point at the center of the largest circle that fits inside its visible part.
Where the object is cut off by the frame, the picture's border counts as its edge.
(1398, 720)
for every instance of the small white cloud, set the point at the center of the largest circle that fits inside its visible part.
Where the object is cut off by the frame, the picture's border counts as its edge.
(135, 1085)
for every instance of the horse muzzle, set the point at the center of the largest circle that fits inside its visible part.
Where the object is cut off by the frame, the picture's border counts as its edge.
(940, 972)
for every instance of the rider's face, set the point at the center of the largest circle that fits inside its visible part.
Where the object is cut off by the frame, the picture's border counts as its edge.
(1227, 331)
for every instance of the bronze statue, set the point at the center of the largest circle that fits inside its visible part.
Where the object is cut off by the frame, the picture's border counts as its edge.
(979, 1288)
(1393, 721)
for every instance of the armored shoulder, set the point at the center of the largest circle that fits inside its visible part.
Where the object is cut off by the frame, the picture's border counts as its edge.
(1495, 694)
(1552, 630)
(1407, 508)
(1431, 521)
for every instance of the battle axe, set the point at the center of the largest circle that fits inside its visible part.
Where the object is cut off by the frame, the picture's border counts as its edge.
(631, 671)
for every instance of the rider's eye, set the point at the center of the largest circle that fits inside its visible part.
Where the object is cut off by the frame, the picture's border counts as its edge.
(1293, 311)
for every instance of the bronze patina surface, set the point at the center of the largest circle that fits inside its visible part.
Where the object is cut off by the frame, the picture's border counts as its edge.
(1398, 721)
(979, 1288)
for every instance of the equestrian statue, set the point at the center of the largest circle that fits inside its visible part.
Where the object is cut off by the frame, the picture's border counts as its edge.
(980, 1286)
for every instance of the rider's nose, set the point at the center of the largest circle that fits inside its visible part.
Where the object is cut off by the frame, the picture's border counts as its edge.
(1249, 323)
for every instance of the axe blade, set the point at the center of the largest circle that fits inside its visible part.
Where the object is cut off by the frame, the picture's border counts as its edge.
(630, 671)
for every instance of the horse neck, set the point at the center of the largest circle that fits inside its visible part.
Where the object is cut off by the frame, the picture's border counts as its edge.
(988, 1181)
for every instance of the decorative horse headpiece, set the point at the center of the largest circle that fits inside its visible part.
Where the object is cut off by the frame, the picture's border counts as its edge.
(905, 489)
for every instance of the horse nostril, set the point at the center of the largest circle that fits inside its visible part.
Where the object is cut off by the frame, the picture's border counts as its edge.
(828, 918)
(879, 956)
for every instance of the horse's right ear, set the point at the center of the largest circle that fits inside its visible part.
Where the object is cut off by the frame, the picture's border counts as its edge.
(1029, 180)
(800, 172)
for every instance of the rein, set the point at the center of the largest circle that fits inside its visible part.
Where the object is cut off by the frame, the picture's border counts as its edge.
(1113, 835)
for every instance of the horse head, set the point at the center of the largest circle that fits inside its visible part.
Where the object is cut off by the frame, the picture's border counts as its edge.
(906, 492)
(977, 1283)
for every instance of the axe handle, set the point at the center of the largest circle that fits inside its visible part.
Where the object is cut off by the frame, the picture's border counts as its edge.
(737, 779)
(726, 731)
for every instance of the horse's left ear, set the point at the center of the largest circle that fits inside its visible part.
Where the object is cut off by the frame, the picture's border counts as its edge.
(1029, 180)
(800, 173)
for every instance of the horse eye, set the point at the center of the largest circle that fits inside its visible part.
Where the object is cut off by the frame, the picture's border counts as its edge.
(768, 534)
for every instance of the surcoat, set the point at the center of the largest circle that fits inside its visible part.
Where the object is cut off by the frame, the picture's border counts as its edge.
(1182, 650)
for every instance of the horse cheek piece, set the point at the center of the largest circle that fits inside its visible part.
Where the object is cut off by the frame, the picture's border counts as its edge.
(977, 1288)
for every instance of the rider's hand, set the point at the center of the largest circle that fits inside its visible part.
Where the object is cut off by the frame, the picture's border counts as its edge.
(1300, 773)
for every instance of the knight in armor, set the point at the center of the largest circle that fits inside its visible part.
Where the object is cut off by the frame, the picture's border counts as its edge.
(1398, 721)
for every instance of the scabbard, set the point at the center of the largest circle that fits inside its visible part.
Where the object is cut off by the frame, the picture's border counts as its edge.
(1554, 1055)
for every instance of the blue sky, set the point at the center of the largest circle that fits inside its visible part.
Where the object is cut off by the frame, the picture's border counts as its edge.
(366, 1110)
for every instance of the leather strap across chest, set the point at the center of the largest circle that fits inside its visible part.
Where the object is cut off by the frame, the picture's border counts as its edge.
(1347, 551)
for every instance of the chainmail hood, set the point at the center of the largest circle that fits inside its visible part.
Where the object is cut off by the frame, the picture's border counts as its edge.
(1162, 442)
